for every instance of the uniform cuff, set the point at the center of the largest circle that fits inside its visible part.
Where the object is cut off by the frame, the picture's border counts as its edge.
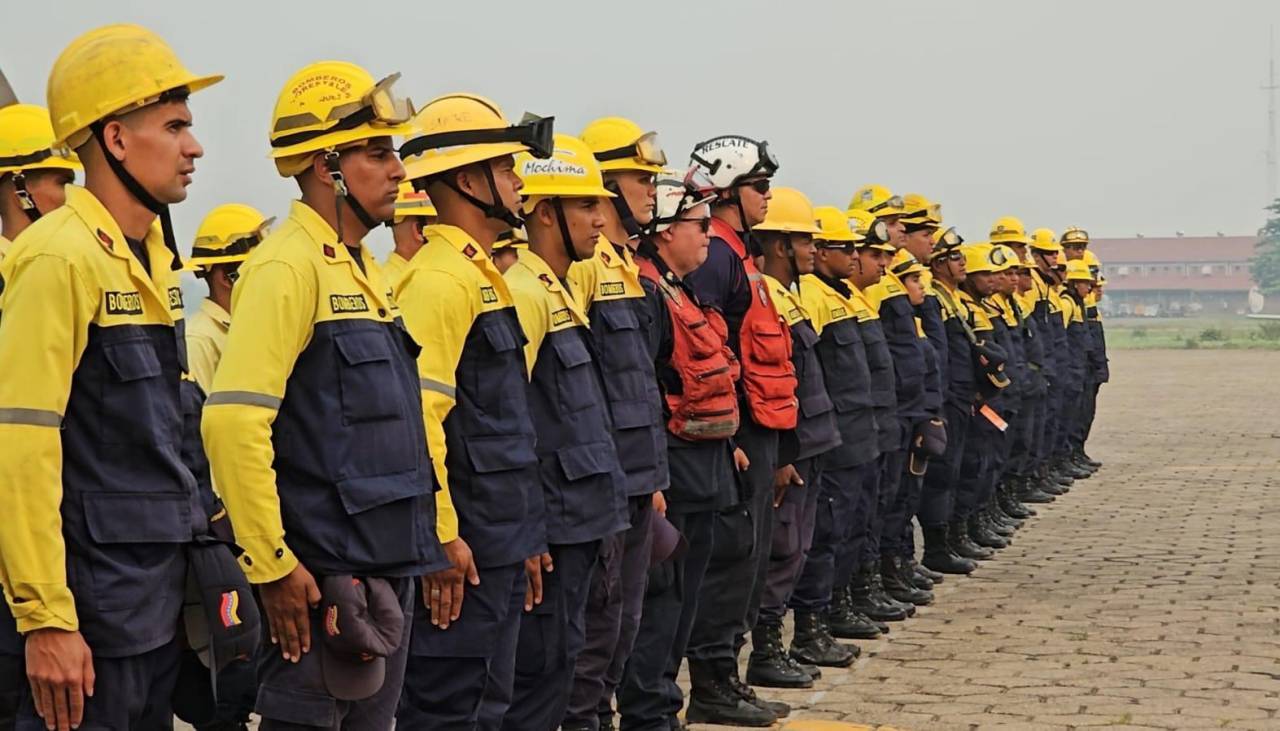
(58, 613)
(266, 559)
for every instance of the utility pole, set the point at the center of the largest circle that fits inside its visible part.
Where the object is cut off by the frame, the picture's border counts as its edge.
(1273, 156)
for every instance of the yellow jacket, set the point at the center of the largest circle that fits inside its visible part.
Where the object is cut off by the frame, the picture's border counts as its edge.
(393, 268)
(542, 302)
(72, 281)
(611, 273)
(206, 337)
(888, 286)
(4, 247)
(825, 305)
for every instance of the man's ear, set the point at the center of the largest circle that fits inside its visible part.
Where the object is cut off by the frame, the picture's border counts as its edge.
(544, 213)
(113, 139)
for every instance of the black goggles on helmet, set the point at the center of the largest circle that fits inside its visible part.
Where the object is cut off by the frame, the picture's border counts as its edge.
(997, 257)
(534, 132)
(647, 150)
(890, 202)
(877, 233)
(948, 239)
(378, 106)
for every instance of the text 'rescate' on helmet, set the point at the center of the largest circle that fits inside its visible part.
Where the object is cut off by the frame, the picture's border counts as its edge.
(620, 144)
(457, 130)
(728, 160)
(677, 194)
(226, 236)
(27, 145)
(1043, 239)
(874, 232)
(836, 231)
(878, 201)
(1009, 230)
(570, 172)
(114, 70)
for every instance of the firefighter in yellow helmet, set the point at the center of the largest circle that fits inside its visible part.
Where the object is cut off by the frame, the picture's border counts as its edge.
(223, 242)
(581, 477)
(413, 212)
(480, 432)
(607, 286)
(316, 441)
(506, 248)
(92, 359)
(1099, 371)
(34, 172)
(1075, 241)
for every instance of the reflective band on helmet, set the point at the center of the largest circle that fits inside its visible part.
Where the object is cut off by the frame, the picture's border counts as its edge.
(244, 398)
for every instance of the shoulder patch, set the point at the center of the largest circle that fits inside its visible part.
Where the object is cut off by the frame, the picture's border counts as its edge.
(104, 239)
(348, 303)
(469, 251)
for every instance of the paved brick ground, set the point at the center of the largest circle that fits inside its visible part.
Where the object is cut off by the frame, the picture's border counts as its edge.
(1146, 598)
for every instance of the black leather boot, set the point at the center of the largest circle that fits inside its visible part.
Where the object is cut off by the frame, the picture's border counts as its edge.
(1078, 459)
(937, 577)
(999, 523)
(843, 622)
(898, 585)
(962, 544)
(777, 708)
(1088, 460)
(866, 597)
(714, 699)
(879, 594)
(915, 578)
(1073, 470)
(1009, 502)
(982, 536)
(938, 553)
(768, 665)
(814, 644)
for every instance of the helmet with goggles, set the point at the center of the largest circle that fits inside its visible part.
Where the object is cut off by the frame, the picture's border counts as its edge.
(905, 263)
(728, 160)
(878, 201)
(1009, 230)
(946, 239)
(920, 211)
(226, 236)
(874, 232)
(620, 144)
(677, 194)
(836, 230)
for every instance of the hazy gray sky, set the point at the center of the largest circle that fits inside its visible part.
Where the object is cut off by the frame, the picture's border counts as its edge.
(1122, 117)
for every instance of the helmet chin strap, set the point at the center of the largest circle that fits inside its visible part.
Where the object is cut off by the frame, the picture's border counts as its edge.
(140, 194)
(564, 230)
(342, 194)
(620, 205)
(25, 199)
(496, 209)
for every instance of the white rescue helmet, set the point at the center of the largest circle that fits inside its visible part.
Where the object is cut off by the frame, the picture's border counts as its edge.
(727, 159)
(677, 193)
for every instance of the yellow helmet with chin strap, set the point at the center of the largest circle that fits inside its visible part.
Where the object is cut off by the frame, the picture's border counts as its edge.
(26, 145)
(413, 203)
(877, 200)
(1043, 239)
(620, 144)
(789, 212)
(920, 211)
(1009, 230)
(904, 263)
(570, 172)
(226, 236)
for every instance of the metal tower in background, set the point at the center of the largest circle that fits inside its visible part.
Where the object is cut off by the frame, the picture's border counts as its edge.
(1273, 157)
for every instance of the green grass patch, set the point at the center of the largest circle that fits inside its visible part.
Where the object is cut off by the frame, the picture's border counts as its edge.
(1192, 333)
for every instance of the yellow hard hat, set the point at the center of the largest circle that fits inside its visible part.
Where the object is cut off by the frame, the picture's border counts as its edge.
(1004, 257)
(835, 227)
(227, 235)
(946, 239)
(878, 200)
(110, 70)
(460, 129)
(1043, 239)
(570, 172)
(921, 210)
(620, 144)
(410, 202)
(512, 238)
(789, 212)
(26, 141)
(1009, 230)
(1075, 236)
(1091, 259)
(329, 105)
(977, 257)
(1078, 271)
(874, 232)
(905, 263)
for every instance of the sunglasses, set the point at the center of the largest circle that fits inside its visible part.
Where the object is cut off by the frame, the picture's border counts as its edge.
(760, 186)
(704, 223)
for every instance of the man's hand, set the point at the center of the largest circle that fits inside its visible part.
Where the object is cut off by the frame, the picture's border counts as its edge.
(534, 566)
(60, 671)
(288, 602)
(442, 591)
(740, 460)
(783, 479)
(660, 503)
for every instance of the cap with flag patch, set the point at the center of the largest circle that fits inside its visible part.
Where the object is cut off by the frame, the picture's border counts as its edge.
(363, 625)
(219, 613)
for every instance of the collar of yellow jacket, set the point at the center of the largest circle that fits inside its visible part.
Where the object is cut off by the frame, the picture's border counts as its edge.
(98, 220)
(794, 310)
(4, 246)
(537, 268)
(216, 313)
(319, 231)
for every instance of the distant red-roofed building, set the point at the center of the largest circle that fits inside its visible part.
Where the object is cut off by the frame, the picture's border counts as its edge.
(1176, 275)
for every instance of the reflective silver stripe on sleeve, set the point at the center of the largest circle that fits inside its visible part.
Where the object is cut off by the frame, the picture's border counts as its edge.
(30, 417)
(244, 398)
(444, 388)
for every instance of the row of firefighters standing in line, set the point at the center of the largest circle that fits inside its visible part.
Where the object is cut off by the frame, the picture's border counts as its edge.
(587, 399)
